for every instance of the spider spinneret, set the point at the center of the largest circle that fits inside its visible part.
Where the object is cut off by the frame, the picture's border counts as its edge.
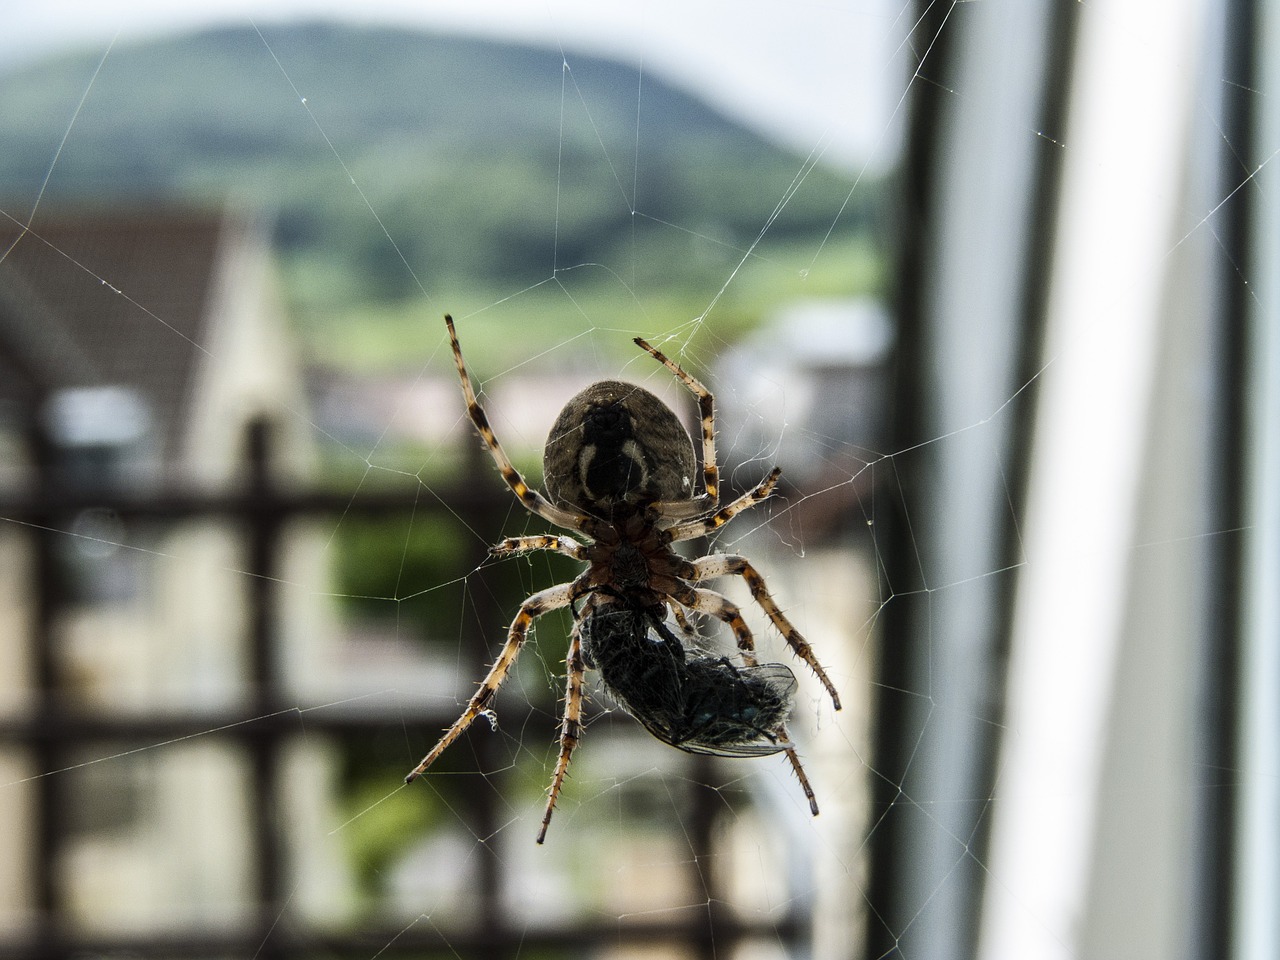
(618, 468)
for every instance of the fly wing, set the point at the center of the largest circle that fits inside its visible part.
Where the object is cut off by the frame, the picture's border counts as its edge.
(734, 711)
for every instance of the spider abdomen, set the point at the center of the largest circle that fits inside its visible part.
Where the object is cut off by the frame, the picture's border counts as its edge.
(617, 444)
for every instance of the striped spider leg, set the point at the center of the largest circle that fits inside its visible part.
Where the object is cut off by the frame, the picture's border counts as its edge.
(570, 727)
(710, 497)
(720, 565)
(533, 501)
(544, 601)
(728, 564)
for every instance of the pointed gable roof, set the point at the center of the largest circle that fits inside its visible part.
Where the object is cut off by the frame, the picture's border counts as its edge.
(110, 299)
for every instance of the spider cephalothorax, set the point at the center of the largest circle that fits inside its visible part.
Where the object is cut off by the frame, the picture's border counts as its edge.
(619, 469)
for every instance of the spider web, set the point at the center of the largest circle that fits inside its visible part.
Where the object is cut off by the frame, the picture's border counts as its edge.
(634, 842)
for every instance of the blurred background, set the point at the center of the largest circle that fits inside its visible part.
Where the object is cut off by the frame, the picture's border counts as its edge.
(994, 283)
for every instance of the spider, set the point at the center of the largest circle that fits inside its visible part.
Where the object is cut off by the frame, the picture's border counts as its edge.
(618, 469)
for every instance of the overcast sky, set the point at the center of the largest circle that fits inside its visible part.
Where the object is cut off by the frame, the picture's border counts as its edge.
(811, 73)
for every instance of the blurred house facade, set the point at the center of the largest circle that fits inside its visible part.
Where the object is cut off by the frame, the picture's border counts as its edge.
(138, 353)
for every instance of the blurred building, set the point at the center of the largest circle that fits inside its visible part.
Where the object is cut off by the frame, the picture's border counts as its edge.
(139, 353)
(809, 391)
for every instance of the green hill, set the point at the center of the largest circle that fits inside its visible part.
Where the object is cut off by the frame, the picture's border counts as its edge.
(395, 158)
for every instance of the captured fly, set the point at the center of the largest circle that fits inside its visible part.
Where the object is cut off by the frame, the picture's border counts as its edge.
(699, 703)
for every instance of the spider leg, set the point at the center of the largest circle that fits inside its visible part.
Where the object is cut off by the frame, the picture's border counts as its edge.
(706, 409)
(541, 602)
(805, 785)
(513, 545)
(533, 501)
(570, 729)
(681, 620)
(721, 565)
(704, 526)
(722, 608)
